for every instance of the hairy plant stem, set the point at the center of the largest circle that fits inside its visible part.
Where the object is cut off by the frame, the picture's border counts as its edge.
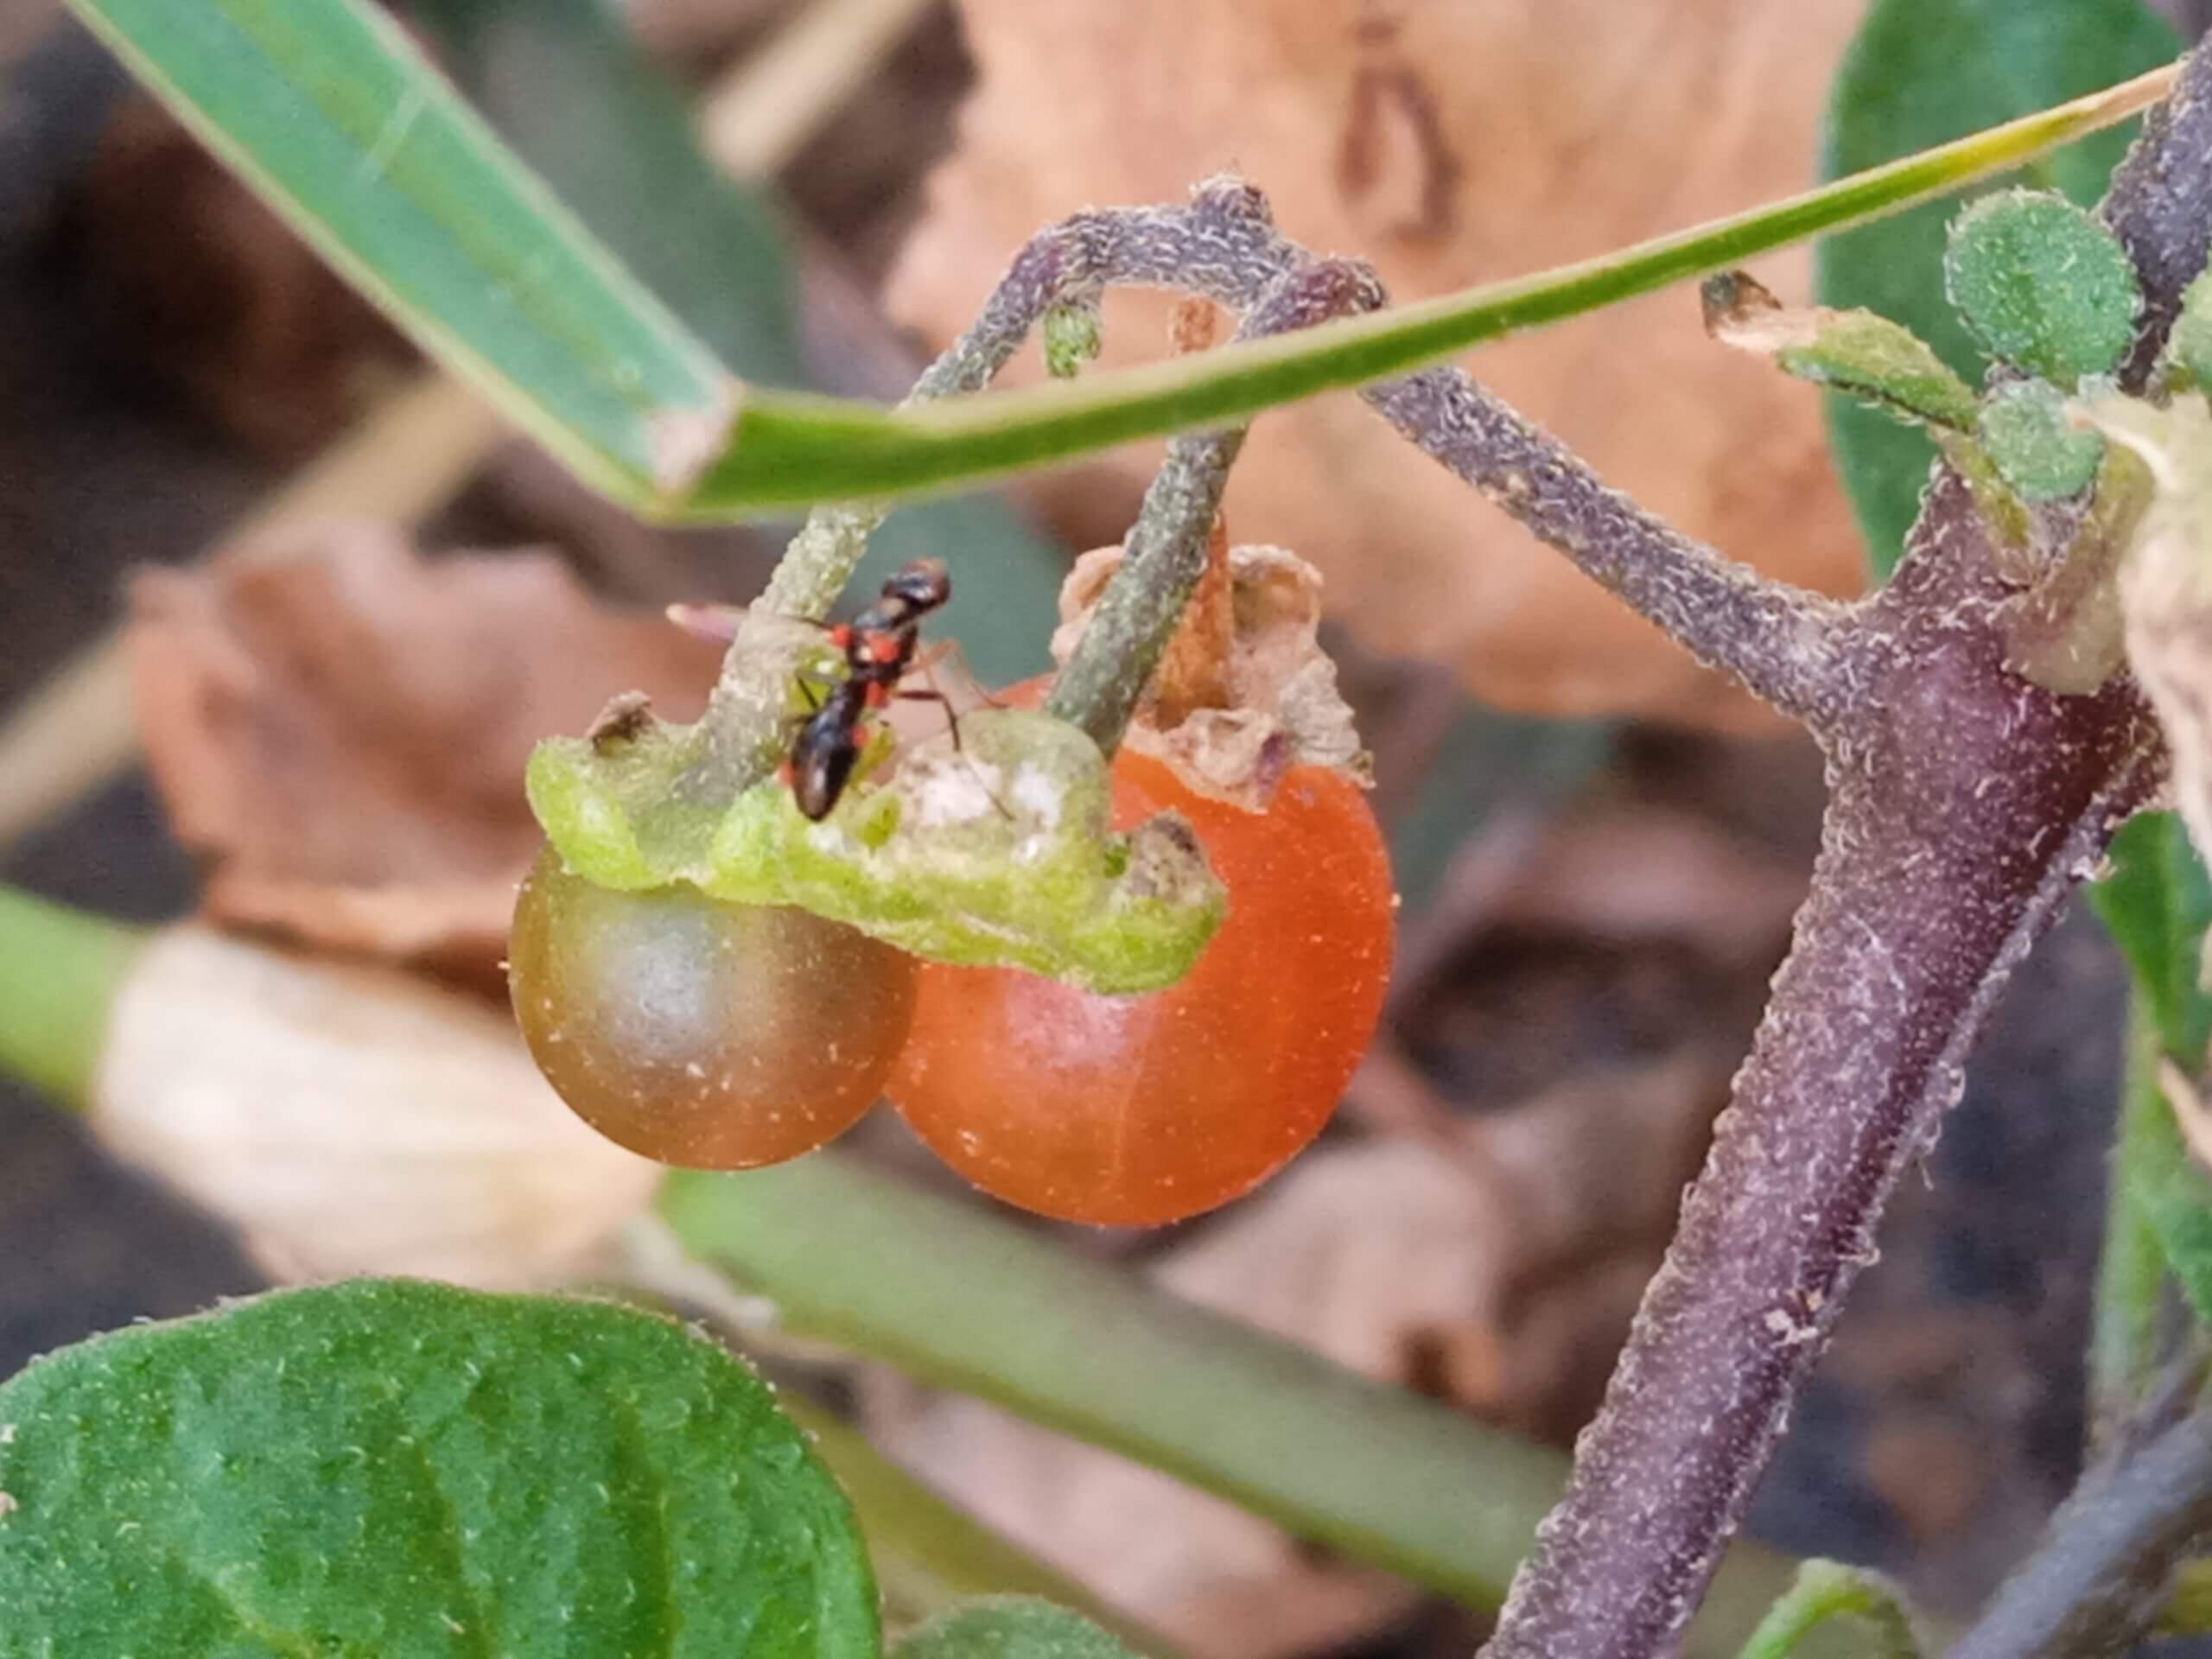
(1128, 632)
(2099, 1580)
(1102, 683)
(1222, 244)
(1964, 804)
(1100, 687)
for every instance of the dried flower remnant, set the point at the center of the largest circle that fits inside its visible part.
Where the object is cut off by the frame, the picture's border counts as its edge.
(1274, 704)
(2165, 587)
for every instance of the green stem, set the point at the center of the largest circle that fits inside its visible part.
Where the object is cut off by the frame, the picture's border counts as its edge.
(1829, 1590)
(960, 1298)
(2127, 1339)
(1137, 616)
(59, 971)
(785, 449)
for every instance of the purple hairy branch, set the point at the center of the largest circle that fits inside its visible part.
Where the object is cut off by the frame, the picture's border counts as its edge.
(1965, 803)
(2104, 1569)
(1779, 641)
(1783, 643)
(2160, 207)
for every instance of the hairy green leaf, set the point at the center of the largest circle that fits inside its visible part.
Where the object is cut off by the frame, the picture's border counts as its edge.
(389, 1470)
(2157, 902)
(1881, 362)
(1073, 338)
(2191, 343)
(1875, 360)
(1921, 71)
(1011, 1627)
(2037, 446)
(2042, 285)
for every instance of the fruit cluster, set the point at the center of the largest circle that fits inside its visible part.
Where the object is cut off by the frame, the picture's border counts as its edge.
(728, 1036)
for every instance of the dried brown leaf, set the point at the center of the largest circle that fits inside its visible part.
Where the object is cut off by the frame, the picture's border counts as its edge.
(1451, 145)
(340, 731)
(348, 1119)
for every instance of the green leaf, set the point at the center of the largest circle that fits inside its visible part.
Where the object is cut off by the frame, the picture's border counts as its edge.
(2042, 285)
(405, 1470)
(326, 108)
(1073, 338)
(1921, 71)
(2039, 451)
(565, 83)
(1880, 362)
(1011, 1627)
(2157, 902)
(2191, 343)
(1875, 360)
(2169, 1189)
(1830, 1590)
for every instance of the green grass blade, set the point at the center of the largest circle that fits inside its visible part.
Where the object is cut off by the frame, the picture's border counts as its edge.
(786, 451)
(328, 109)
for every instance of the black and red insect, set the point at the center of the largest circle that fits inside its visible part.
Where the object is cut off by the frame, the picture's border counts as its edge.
(879, 645)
